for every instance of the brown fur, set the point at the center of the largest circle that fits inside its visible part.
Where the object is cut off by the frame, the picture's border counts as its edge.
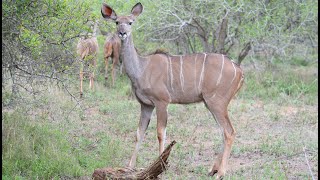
(112, 49)
(160, 51)
(87, 49)
(160, 79)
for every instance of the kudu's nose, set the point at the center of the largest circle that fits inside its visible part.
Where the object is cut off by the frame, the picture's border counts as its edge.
(122, 33)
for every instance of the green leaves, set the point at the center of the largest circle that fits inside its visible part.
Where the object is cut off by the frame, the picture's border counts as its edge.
(30, 39)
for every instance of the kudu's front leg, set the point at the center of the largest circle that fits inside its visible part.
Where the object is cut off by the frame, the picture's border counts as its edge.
(81, 80)
(162, 116)
(114, 63)
(91, 84)
(146, 112)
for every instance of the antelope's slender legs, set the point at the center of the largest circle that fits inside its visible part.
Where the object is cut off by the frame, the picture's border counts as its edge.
(81, 80)
(106, 60)
(91, 85)
(114, 63)
(162, 116)
(121, 68)
(146, 112)
(220, 113)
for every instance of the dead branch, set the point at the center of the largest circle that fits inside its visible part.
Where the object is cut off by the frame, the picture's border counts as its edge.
(156, 168)
(244, 52)
(309, 167)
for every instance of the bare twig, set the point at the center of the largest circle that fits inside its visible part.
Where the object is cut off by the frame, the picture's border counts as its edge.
(305, 155)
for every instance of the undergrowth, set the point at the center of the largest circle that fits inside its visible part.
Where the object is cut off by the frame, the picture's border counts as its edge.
(280, 85)
(56, 137)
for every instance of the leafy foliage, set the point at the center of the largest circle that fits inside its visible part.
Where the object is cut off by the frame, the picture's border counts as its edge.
(38, 40)
(273, 28)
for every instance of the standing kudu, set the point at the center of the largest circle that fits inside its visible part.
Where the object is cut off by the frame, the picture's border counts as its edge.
(160, 79)
(87, 49)
(112, 49)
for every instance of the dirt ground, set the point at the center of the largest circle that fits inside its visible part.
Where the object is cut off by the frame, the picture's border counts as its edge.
(272, 141)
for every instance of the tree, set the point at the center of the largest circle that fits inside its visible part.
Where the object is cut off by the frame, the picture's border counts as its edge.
(236, 28)
(38, 40)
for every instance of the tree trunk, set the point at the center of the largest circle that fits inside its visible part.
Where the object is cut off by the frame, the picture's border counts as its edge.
(222, 35)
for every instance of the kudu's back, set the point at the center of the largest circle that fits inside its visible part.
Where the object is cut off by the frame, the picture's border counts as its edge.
(88, 47)
(112, 46)
(192, 78)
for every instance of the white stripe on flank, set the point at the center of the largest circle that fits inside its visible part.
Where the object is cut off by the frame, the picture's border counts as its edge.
(170, 99)
(165, 135)
(202, 71)
(242, 77)
(171, 74)
(235, 72)
(219, 79)
(214, 95)
(181, 74)
(195, 73)
(167, 72)
(138, 135)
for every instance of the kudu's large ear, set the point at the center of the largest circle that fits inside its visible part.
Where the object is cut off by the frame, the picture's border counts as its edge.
(107, 12)
(136, 10)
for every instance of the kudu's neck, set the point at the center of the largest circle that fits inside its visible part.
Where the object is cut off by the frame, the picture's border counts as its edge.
(132, 62)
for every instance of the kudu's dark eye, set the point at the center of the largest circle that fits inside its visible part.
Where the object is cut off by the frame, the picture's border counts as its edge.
(117, 22)
(130, 23)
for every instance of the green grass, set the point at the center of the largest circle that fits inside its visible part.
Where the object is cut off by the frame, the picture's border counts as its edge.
(34, 150)
(280, 85)
(53, 136)
(39, 150)
(44, 139)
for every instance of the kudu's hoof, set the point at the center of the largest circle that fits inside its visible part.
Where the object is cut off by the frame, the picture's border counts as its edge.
(212, 173)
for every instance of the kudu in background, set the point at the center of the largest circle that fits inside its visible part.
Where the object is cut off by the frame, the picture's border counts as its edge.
(88, 49)
(112, 49)
(160, 79)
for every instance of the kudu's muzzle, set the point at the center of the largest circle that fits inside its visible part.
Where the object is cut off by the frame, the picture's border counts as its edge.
(122, 32)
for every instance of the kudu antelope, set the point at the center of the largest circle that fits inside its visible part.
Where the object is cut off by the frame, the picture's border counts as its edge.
(87, 49)
(112, 49)
(160, 79)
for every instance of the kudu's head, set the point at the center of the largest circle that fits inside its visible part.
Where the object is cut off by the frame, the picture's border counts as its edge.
(123, 22)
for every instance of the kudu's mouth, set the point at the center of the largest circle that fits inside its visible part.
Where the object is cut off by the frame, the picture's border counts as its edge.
(123, 35)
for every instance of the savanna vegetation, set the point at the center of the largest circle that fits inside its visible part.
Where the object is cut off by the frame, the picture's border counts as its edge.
(48, 132)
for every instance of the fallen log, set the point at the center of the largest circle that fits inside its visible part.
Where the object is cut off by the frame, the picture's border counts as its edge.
(156, 168)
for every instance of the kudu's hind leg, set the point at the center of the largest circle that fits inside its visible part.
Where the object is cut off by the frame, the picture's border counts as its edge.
(220, 113)
(146, 112)
(162, 116)
(106, 61)
(91, 84)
